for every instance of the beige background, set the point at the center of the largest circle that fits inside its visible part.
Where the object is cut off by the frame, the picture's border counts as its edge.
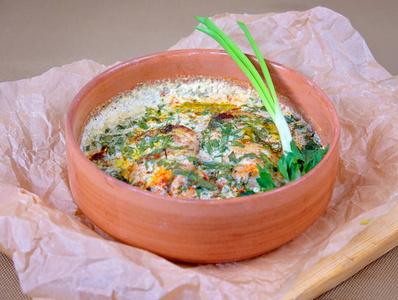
(38, 35)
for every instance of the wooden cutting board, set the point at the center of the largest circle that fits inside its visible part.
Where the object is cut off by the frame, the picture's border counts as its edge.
(375, 240)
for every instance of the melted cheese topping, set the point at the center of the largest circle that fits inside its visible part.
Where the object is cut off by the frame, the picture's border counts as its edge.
(190, 137)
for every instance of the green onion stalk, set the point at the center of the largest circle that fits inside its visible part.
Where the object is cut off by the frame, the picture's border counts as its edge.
(267, 94)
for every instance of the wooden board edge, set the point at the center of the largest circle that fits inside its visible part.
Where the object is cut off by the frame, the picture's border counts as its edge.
(375, 240)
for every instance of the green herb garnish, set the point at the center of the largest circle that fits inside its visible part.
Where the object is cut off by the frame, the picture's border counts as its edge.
(299, 162)
(265, 179)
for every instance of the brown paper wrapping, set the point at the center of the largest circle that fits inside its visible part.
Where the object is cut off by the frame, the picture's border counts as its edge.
(61, 255)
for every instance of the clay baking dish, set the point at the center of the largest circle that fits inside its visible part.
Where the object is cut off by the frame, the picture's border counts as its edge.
(201, 231)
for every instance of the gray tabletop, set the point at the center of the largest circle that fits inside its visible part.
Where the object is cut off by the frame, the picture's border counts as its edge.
(38, 35)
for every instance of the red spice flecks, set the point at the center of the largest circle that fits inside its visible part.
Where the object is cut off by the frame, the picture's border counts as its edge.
(204, 176)
(140, 184)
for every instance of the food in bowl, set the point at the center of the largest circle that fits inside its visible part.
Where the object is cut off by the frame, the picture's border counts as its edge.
(193, 230)
(191, 137)
(215, 230)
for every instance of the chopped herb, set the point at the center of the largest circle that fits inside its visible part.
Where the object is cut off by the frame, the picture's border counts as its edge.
(265, 179)
(238, 144)
(143, 125)
(290, 119)
(232, 158)
(246, 193)
(111, 150)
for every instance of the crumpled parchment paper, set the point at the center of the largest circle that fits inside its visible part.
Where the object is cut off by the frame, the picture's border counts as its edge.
(58, 254)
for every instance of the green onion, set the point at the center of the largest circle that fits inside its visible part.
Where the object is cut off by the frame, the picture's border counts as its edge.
(294, 162)
(267, 95)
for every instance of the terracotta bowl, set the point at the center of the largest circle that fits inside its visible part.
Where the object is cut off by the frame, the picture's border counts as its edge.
(201, 231)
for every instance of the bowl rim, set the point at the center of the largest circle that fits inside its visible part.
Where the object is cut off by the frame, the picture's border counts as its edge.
(333, 146)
